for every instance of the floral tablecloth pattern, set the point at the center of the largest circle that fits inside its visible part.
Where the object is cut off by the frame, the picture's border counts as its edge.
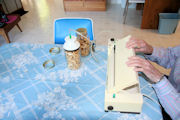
(30, 92)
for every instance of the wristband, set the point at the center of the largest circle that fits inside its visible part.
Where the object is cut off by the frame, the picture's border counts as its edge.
(159, 79)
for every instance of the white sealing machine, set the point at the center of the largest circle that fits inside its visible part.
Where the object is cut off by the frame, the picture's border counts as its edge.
(122, 91)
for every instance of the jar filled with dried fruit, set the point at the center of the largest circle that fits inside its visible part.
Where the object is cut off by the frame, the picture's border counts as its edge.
(84, 42)
(71, 47)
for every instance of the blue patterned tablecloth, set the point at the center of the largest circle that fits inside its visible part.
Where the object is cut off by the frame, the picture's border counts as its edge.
(30, 92)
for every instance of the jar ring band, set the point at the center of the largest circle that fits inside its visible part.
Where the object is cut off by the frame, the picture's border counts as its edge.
(49, 64)
(54, 50)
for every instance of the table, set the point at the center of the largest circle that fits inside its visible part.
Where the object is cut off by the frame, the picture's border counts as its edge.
(30, 92)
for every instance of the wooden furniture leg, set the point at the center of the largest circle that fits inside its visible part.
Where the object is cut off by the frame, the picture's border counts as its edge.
(6, 37)
(19, 27)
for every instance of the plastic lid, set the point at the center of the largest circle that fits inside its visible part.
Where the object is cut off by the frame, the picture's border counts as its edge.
(71, 43)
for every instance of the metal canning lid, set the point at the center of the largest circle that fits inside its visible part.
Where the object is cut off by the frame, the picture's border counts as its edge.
(54, 50)
(49, 64)
(82, 31)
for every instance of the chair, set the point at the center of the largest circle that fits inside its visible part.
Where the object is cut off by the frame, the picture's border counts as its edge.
(127, 5)
(13, 21)
(63, 25)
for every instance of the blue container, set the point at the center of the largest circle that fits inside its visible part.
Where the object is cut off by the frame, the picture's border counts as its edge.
(168, 22)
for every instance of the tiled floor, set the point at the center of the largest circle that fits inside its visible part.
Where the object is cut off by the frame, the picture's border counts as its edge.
(37, 24)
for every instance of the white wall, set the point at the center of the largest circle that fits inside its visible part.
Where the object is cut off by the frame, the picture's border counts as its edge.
(114, 1)
(122, 2)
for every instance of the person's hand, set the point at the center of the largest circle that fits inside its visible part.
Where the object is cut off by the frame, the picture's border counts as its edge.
(142, 65)
(139, 46)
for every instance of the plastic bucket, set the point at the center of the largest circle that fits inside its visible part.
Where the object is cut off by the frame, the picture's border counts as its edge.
(168, 22)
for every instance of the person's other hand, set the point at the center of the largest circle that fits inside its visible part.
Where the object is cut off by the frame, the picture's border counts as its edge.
(142, 65)
(139, 46)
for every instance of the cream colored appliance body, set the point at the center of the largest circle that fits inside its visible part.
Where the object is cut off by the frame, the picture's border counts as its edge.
(122, 91)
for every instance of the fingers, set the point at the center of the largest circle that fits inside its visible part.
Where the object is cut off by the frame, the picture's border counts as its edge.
(152, 73)
(139, 50)
(136, 58)
(138, 62)
(135, 43)
(142, 65)
(139, 46)
(139, 69)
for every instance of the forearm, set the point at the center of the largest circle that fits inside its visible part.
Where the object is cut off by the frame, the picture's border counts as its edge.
(169, 98)
(162, 56)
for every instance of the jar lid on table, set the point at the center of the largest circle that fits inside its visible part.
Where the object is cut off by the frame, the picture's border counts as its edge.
(71, 43)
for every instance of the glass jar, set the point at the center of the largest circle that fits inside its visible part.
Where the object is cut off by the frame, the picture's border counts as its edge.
(84, 42)
(72, 47)
(73, 59)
